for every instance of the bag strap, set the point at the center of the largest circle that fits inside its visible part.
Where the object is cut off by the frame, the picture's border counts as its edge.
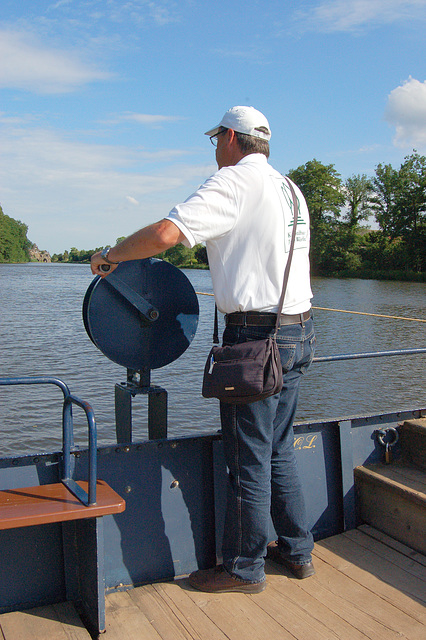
(290, 254)
(216, 326)
(286, 270)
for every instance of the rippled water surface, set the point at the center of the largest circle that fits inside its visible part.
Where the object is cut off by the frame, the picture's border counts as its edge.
(42, 333)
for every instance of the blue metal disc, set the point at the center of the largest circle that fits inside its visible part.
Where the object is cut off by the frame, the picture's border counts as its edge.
(143, 315)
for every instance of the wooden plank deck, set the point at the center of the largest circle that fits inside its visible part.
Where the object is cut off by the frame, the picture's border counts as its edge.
(56, 622)
(367, 586)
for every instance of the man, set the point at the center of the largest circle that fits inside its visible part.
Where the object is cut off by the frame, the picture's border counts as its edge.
(244, 215)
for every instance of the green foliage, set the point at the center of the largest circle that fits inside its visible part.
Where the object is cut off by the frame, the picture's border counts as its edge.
(400, 206)
(183, 257)
(200, 253)
(358, 191)
(179, 255)
(14, 244)
(386, 195)
(322, 187)
(397, 199)
(79, 256)
(75, 255)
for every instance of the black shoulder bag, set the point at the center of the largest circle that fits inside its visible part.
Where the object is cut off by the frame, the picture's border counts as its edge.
(249, 371)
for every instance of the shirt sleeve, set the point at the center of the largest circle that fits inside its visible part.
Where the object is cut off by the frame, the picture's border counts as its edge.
(210, 212)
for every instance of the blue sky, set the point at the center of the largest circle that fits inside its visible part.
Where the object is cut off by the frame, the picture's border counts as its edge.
(103, 103)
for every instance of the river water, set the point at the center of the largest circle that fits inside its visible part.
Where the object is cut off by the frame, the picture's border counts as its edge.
(42, 333)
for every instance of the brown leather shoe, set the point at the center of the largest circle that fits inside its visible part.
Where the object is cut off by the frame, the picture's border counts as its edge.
(218, 580)
(300, 571)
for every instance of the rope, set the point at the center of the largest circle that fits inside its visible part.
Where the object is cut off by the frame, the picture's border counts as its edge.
(376, 315)
(360, 313)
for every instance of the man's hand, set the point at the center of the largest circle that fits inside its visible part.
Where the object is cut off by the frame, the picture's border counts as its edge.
(99, 266)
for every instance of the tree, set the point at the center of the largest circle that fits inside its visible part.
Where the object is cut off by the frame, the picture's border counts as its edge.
(179, 255)
(384, 201)
(411, 204)
(400, 206)
(322, 187)
(14, 244)
(358, 190)
(200, 253)
(74, 255)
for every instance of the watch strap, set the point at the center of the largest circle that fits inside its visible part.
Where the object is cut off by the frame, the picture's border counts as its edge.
(104, 256)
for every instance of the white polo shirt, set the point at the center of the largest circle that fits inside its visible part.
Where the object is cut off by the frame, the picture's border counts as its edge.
(244, 215)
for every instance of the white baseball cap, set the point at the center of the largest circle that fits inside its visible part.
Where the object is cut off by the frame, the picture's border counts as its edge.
(244, 120)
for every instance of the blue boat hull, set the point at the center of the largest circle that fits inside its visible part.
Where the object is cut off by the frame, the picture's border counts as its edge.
(175, 498)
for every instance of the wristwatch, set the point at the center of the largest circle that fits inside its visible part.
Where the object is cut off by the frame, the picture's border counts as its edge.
(104, 255)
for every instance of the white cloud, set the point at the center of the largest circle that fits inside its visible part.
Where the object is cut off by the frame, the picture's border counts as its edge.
(14, 120)
(26, 63)
(73, 193)
(406, 111)
(351, 15)
(60, 3)
(251, 53)
(136, 12)
(161, 13)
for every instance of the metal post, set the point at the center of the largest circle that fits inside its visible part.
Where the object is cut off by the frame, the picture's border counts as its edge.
(347, 473)
(123, 414)
(157, 413)
(139, 382)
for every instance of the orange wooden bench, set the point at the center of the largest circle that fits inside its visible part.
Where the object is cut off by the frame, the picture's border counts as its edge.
(31, 506)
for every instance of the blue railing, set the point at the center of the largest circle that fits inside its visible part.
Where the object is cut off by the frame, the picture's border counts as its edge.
(374, 354)
(68, 435)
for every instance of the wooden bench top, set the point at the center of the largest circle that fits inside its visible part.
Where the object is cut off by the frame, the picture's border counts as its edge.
(54, 503)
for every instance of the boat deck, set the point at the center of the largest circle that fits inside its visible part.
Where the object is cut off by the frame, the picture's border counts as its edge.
(367, 585)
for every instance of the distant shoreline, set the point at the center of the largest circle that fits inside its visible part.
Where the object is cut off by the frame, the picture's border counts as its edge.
(366, 274)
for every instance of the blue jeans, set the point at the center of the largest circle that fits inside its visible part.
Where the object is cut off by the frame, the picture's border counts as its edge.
(263, 479)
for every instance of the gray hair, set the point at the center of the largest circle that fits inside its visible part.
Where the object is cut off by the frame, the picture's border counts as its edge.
(251, 144)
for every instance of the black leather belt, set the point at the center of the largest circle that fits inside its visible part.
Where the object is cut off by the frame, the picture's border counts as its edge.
(257, 318)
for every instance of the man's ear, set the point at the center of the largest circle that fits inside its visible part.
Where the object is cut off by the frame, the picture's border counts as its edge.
(230, 136)
(232, 143)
